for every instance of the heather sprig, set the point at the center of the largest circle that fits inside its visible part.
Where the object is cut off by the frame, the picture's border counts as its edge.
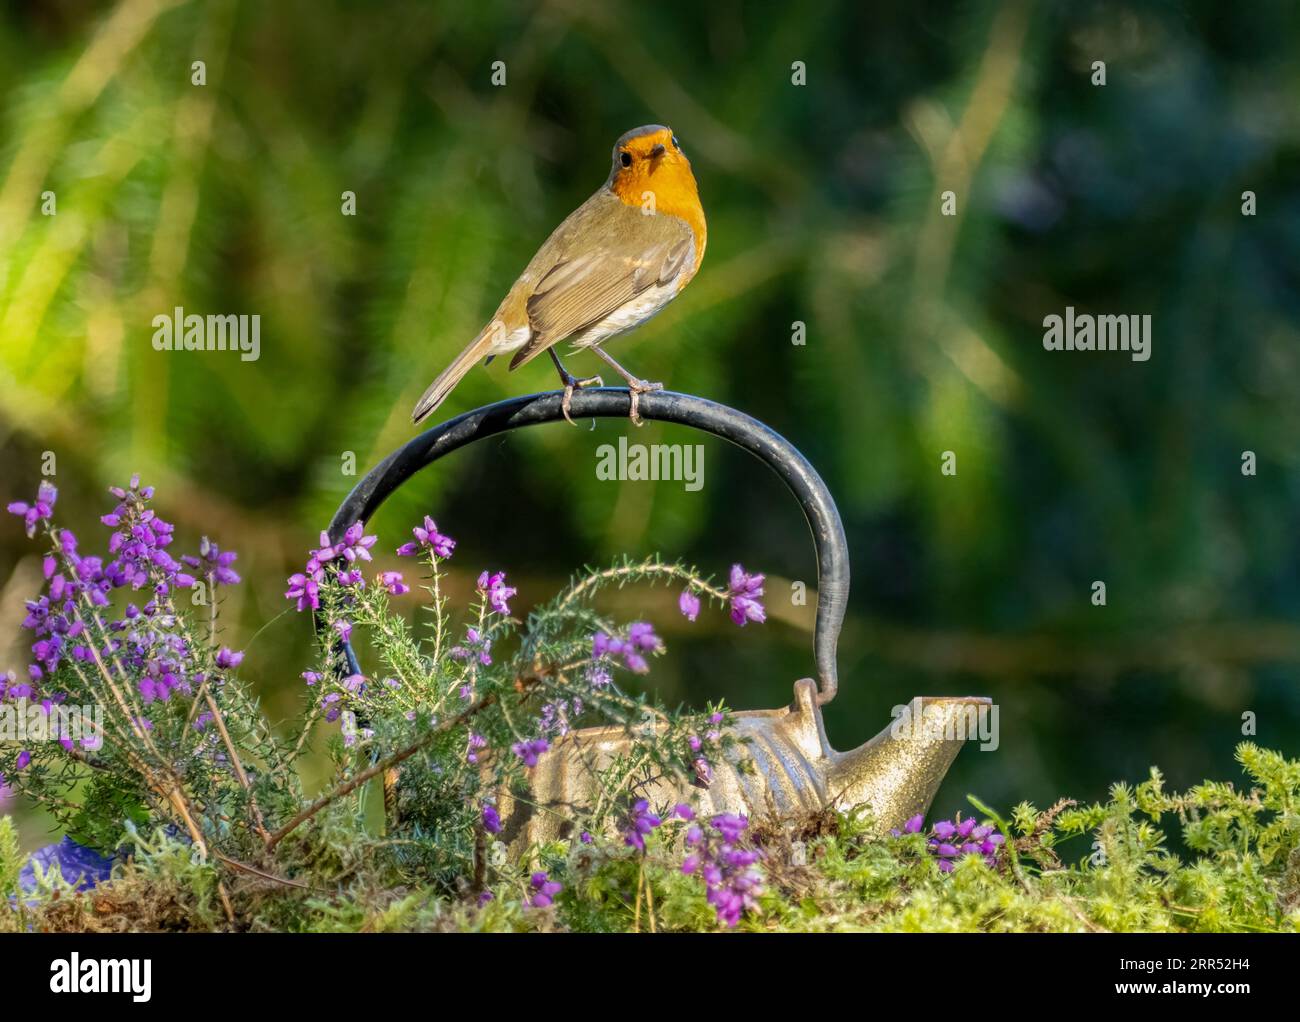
(127, 636)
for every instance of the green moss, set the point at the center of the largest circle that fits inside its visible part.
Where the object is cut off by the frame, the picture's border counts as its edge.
(1069, 868)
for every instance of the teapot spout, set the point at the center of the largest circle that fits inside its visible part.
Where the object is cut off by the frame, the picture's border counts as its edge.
(898, 772)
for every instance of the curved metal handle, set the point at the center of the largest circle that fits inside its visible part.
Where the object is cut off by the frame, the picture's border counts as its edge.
(664, 406)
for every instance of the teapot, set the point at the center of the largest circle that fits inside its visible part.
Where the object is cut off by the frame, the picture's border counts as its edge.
(782, 765)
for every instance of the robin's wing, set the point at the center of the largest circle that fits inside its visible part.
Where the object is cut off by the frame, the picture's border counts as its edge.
(640, 252)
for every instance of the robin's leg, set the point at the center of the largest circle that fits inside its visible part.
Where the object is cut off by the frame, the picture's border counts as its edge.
(570, 383)
(636, 387)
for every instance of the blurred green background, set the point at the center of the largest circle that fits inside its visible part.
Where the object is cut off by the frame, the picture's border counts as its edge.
(924, 332)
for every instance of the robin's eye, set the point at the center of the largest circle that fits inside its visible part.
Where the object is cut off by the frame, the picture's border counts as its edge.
(625, 158)
(676, 144)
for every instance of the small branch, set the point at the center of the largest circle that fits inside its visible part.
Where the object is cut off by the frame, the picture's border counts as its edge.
(235, 761)
(377, 769)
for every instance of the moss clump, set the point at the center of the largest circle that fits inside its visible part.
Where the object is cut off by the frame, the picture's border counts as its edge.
(1068, 868)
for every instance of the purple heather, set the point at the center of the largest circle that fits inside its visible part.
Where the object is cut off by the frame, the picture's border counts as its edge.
(641, 822)
(730, 874)
(42, 509)
(428, 537)
(640, 639)
(392, 581)
(946, 840)
(689, 604)
(494, 586)
(214, 562)
(546, 889)
(529, 752)
(744, 591)
(227, 659)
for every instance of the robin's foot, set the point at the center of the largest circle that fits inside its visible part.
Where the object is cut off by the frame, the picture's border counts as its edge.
(571, 383)
(636, 387)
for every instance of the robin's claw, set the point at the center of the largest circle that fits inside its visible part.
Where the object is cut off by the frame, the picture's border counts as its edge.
(636, 388)
(572, 383)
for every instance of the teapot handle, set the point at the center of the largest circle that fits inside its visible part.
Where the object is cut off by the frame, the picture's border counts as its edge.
(664, 406)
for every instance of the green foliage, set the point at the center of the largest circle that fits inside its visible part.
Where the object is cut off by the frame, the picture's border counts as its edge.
(844, 876)
(11, 860)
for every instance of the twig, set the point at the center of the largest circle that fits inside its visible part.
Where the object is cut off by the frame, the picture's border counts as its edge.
(377, 769)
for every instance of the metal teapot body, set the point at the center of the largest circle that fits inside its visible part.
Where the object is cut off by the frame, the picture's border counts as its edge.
(781, 768)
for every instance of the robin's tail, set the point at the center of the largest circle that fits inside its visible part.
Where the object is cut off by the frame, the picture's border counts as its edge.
(452, 375)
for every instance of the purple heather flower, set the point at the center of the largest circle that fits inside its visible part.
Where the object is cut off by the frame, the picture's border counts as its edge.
(947, 844)
(42, 509)
(529, 752)
(642, 636)
(476, 742)
(354, 545)
(640, 822)
(392, 581)
(689, 604)
(311, 677)
(428, 537)
(494, 586)
(305, 590)
(730, 826)
(227, 659)
(744, 591)
(731, 878)
(24, 758)
(475, 645)
(491, 819)
(546, 889)
(640, 639)
(556, 716)
(913, 825)
(344, 628)
(684, 812)
(214, 562)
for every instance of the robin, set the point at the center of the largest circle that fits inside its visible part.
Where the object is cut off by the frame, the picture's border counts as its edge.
(613, 263)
